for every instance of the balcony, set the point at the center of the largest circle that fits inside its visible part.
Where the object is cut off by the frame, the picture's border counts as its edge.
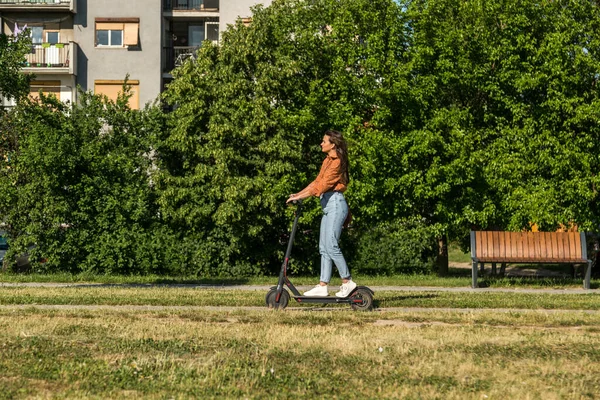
(190, 8)
(39, 5)
(175, 56)
(60, 58)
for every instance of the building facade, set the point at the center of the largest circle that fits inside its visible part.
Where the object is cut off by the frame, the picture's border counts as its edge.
(53, 57)
(95, 44)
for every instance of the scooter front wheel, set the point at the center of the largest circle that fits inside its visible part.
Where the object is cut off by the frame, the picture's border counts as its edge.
(272, 297)
(361, 300)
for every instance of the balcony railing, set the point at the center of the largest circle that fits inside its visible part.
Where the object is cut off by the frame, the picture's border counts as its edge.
(69, 5)
(176, 56)
(191, 5)
(52, 58)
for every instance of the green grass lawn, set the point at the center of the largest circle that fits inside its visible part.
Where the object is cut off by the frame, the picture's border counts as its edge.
(123, 354)
(459, 277)
(308, 351)
(123, 295)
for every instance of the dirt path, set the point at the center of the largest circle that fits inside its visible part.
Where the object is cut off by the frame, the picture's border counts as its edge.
(127, 308)
(301, 288)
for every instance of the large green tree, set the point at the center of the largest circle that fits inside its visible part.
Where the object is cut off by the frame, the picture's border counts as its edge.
(519, 78)
(459, 114)
(250, 115)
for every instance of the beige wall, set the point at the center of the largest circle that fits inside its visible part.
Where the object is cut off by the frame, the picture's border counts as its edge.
(230, 10)
(142, 63)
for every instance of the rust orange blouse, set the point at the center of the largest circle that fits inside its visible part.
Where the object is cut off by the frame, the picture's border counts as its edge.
(331, 177)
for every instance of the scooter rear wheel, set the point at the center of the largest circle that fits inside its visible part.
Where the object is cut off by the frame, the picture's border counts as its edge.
(283, 299)
(366, 300)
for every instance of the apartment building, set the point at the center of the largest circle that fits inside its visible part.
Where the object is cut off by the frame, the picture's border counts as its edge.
(53, 57)
(95, 44)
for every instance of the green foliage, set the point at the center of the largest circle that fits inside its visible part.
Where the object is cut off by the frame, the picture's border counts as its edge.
(399, 247)
(13, 84)
(250, 115)
(520, 77)
(459, 115)
(76, 187)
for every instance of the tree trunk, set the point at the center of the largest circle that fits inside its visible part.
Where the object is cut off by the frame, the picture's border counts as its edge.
(442, 256)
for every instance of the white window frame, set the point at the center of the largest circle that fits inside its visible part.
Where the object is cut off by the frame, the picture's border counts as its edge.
(52, 31)
(207, 26)
(110, 31)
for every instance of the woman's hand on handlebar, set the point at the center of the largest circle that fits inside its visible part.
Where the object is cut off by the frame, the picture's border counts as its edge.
(293, 198)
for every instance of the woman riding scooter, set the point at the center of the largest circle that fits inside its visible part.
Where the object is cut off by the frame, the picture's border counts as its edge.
(329, 186)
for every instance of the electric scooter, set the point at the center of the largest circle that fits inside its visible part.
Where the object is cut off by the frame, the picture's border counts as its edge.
(360, 299)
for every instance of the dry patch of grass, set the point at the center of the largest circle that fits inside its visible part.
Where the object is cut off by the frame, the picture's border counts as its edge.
(267, 354)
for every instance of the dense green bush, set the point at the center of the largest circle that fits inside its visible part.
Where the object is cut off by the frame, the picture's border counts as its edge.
(76, 188)
(399, 247)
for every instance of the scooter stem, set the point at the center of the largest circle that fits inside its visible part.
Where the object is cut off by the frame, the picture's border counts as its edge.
(298, 212)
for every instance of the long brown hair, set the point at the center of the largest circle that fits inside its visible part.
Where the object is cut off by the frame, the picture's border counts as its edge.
(341, 148)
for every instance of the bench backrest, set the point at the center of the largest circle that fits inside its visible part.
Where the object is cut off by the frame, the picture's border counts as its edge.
(528, 246)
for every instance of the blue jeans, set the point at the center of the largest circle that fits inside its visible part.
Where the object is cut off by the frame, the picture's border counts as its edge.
(335, 211)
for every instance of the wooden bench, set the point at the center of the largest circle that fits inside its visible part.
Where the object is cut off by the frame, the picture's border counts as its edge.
(529, 248)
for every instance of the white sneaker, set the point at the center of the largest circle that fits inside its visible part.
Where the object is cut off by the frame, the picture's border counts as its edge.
(346, 289)
(317, 291)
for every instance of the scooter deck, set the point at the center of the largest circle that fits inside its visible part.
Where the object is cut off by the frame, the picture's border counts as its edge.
(322, 299)
(329, 299)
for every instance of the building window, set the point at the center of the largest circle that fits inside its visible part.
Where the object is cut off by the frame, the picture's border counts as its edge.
(117, 32)
(212, 31)
(109, 37)
(112, 88)
(52, 37)
(37, 34)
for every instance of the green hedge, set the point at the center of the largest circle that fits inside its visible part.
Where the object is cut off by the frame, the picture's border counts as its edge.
(402, 247)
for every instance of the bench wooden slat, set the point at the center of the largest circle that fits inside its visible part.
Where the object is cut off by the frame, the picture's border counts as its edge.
(520, 248)
(496, 244)
(514, 247)
(542, 241)
(532, 239)
(501, 241)
(554, 240)
(573, 245)
(489, 248)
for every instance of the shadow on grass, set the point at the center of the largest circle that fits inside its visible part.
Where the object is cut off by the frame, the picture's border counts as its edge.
(202, 281)
(378, 303)
(533, 281)
(170, 282)
(459, 272)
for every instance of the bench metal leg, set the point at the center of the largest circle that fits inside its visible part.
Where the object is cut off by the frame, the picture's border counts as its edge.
(493, 268)
(481, 267)
(474, 275)
(588, 275)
